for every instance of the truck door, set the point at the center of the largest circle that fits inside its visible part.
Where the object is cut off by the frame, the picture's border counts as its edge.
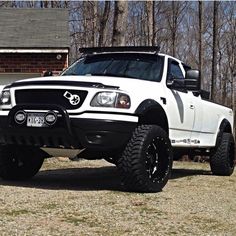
(198, 118)
(197, 106)
(180, 108)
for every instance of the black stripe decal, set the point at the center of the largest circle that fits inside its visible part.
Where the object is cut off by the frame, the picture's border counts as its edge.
(195, 131)
(57, 82)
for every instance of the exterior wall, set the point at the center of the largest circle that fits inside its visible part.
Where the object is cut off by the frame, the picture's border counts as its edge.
(8, 78)
(32, 62)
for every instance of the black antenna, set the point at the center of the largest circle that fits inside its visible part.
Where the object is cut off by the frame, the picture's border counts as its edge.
(154, 49)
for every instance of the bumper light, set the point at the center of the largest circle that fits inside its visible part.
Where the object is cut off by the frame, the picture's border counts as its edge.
(20, 117)
(50, 118)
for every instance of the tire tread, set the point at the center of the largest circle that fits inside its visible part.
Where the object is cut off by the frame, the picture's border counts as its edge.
(130, 165)
(220, 160)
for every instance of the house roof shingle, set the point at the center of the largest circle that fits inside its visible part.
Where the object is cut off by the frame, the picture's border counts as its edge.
(34, 28)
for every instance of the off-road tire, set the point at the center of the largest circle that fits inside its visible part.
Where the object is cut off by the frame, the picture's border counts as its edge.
(20, 163)
(222, 161)
(146, 162)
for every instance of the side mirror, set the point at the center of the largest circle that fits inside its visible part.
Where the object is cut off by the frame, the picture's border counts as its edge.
(192, 80)
(190, 83)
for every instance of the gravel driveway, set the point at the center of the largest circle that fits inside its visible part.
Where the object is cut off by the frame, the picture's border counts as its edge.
(85, 198)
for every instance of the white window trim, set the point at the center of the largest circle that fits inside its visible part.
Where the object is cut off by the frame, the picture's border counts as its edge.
(34, 50)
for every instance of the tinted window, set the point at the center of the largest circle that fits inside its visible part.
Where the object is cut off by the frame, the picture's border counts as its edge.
(175, 71)
(135, 65)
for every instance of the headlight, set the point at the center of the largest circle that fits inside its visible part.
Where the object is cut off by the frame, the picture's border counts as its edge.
(111, 99)
(106, 99)
(5, 97)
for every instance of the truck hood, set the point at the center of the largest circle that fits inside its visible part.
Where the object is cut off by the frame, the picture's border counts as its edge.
(106, 82)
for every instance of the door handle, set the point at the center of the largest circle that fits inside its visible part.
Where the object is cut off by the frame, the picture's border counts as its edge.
(191, 106)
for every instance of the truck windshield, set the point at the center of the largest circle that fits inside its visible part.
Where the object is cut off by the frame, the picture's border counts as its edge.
(135, 65)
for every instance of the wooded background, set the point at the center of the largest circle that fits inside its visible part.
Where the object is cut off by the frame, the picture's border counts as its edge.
(202, 34)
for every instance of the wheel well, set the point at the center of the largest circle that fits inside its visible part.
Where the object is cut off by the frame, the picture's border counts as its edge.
(225, 127)
(155, 116)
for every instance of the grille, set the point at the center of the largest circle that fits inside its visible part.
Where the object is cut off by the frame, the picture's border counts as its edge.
(51, 96)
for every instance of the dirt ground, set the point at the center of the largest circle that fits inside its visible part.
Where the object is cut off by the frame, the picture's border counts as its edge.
(85, 198)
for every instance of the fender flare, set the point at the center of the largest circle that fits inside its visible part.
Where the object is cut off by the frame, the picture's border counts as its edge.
(148, 105)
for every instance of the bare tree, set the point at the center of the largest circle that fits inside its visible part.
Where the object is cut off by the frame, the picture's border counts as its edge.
(214, 49)
(45, 4)
(103, 22)
(89, 12)
(175, 17)
(229, 39)
(119, 23)
(150, 22)
(95, 22)
(200, 33)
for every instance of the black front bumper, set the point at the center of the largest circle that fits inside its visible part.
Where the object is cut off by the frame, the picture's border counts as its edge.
(93, 134)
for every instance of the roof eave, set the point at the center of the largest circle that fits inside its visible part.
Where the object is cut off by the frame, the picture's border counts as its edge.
(34, 50)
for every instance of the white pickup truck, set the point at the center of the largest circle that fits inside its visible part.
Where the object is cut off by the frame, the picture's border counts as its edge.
(133, 106)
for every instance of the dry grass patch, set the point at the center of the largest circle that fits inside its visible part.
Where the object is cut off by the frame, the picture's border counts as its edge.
(85, 198)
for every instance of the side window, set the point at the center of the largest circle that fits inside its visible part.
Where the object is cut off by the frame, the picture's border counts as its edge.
(174, 71)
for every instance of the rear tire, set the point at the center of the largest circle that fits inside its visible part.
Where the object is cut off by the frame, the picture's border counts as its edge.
(222, 161)
(19, 163)
(146, 162)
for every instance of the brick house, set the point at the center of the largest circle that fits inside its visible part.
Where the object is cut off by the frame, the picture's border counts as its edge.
(32, 41)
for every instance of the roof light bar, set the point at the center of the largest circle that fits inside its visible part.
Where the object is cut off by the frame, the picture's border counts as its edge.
(91, 50)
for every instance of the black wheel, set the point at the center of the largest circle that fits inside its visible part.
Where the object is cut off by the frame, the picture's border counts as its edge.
(18, 163)
(222, 161)
(146, 162)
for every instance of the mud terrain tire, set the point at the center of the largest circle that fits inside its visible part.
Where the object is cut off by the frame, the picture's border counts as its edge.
(222, 161)
(146, 162)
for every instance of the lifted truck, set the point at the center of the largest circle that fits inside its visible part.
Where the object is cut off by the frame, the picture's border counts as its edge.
(132, 106)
